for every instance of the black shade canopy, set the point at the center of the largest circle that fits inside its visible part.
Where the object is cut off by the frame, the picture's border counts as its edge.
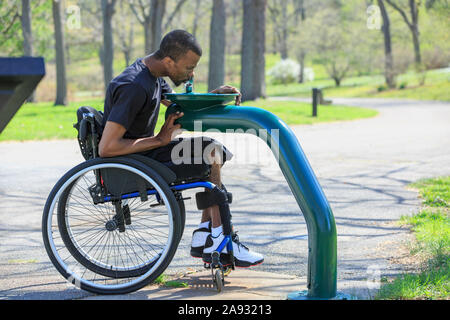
(18, 78)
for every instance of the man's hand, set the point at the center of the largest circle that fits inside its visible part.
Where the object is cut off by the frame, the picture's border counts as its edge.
(228, 89)
(169, 129)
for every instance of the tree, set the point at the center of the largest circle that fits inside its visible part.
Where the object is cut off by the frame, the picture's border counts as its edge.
(26, 28)
(174, 13)
(61, 80)
(284, 18)
(107, 54)
(158, 9)
(25, 20)
(150, 15)
(197, 14)
(300, 13)
(125, 32)
(216, 71)
(141, 11)
(388, 59)
(253, 49)
(10, 28)
(332, 39)
(278, 13)
(413, 25)
(438, 5)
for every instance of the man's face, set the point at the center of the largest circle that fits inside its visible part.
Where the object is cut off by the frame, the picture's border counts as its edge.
(180, 71)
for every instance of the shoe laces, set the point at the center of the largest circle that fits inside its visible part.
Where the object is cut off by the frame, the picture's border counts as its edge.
(235, 239)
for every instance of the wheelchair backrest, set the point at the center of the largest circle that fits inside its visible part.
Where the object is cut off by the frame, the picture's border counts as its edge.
(90, 129)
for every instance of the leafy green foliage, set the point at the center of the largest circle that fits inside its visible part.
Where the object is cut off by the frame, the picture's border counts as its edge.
(11, 38)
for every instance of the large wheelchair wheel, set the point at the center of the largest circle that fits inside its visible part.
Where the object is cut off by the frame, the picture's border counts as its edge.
(111, 243)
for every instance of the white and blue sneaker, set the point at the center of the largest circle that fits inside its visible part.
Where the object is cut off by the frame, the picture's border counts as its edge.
(243, 257)
(199, 239)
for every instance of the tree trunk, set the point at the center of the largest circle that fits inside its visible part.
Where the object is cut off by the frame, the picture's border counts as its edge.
(125, 32)
(253, 49)
(108, 44)
(300, 11)
(216, 72)
(151, 17)
(157, 11)
(388, 58)
(196, 18)
(147, 35)
(337, 81)
(416, 43)
(337, 71)
(26, 28)
(415, 31)
(61, 81)
(247, 51)
(301, 61)
(27, 35)
(260, 49)
(284, 31)
(129, 47)
(413, 26)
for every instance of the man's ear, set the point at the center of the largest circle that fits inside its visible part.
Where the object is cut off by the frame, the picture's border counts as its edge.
(168, 62)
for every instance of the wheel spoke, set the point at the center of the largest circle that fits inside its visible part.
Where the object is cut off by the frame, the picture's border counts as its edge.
(104, 258)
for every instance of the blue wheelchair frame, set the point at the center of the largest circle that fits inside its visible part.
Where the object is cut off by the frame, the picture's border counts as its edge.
(226, 242)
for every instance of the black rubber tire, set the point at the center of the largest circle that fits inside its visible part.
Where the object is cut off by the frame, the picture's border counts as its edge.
(178, 226)
(95, 268)
(218, 280)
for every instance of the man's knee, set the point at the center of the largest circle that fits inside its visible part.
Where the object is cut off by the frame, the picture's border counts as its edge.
(213, 154)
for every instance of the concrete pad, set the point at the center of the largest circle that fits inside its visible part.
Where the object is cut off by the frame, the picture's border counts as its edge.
(241, 284)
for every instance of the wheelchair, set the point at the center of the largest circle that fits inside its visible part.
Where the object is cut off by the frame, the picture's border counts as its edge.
(113, 225)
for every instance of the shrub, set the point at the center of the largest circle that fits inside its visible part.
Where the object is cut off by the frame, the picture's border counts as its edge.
(308, 74)
(402, 85)
(285, 71)
(381, 88)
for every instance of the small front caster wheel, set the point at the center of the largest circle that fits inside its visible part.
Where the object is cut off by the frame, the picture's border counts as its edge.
(218, 280)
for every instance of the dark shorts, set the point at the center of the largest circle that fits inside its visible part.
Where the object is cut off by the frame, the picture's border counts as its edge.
(189, 157)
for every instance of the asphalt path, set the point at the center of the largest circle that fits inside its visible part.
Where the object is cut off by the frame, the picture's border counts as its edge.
(363, 166)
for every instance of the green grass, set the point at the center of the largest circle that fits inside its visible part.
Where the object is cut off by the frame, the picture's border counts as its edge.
(436, 87)
(435, 192)
(41, 121)
(162, 280)
(431, 228)
(431, 285)
(294, 113)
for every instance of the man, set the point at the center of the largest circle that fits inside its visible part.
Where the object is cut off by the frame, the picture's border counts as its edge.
(131, 111)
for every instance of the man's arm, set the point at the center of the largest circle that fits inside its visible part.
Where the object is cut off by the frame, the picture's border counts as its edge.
(113, 144)
(166, 102)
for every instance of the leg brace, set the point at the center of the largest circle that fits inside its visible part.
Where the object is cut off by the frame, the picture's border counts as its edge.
(219, 197)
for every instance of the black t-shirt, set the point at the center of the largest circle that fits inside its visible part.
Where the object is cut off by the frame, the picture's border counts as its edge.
(132, 100)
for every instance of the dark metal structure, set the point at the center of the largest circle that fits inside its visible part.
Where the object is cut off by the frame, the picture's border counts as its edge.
(18, 78)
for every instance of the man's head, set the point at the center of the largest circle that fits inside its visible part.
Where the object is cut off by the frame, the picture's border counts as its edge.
(179, 52)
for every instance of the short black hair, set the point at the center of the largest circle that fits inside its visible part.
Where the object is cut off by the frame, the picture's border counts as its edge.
(177, 43)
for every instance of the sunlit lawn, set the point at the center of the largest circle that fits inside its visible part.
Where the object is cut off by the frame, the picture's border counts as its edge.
(38, 121)
(431, 227)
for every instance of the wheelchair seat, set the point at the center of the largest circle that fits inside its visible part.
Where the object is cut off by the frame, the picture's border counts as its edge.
(90, 129)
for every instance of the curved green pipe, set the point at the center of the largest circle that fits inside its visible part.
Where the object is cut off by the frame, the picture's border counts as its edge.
(322, 257)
